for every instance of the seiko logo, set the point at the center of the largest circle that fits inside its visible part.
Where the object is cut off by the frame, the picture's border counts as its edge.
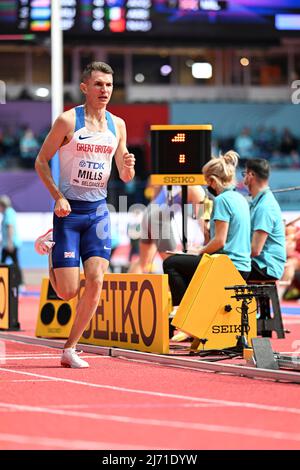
(179, 179)
(216, 329)
(3, 297)
(123, 296)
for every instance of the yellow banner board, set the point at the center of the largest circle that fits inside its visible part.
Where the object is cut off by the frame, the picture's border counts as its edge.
(4, 298)
(132, 313)
(56, 316)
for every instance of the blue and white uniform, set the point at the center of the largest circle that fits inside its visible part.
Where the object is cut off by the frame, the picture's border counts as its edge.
(85, 167)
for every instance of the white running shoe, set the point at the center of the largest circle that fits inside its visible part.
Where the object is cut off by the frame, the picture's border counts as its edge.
(71, 359)
(44, 243)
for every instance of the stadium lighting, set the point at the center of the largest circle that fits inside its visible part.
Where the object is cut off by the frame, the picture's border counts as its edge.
(165, 70)
(139, 78)
(244, 62)
(201, 70)
(42, 92)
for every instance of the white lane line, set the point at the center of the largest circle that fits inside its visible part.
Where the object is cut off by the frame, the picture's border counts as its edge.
(291, 322)
(34, 441)
(191, 426)
(30, 358)
(17, 341)
(29, 380)
(31, 354)
(256, 406)
(131, 406)
(27, 358)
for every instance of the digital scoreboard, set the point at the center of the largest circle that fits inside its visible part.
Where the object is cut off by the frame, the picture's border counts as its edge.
(90, 17)
(174, 20)
(178, 153)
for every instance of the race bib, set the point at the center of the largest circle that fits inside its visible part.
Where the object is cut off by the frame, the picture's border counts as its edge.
(89, 173)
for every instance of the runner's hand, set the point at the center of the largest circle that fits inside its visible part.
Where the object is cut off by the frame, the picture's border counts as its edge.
(129, 160)
(62, 207)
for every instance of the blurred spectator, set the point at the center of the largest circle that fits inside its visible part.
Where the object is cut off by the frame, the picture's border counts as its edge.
(288, 143)
(10, 238)
(291, 273)
(9, 141)
(273, 140)
(244, 144)
(261, 139)
(215, 151)
(156, 224)
(29, 147)
(18, 147)
(2, 154)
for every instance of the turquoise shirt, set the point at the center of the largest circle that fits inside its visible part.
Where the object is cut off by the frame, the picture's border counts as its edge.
(266, 215)
(10, 218)
(232, 207)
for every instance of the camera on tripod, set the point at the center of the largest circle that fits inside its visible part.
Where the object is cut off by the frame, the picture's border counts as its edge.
(246, 293)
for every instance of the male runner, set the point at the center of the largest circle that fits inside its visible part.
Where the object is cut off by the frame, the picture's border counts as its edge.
(87, 137)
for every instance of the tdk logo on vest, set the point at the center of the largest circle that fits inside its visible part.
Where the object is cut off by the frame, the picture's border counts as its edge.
(95, 165)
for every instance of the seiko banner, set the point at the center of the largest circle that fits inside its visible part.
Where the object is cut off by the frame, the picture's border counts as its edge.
(132, 313)
(4, 312)
(8, 298)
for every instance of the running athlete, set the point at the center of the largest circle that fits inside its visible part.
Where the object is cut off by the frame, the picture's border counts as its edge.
(157, 225)
(87, 137)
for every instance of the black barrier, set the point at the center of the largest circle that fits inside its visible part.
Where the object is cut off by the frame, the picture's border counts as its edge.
(9, 297)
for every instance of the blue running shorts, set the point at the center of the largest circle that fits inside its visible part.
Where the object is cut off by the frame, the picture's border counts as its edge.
(85, 232)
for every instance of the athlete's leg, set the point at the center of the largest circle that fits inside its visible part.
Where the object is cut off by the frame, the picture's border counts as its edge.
(65, 281)
(95, 249)
(94, 270)
(148, 251)
(64, 256)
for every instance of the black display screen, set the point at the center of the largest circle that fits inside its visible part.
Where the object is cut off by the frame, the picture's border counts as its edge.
(180, 151)
(175, 20)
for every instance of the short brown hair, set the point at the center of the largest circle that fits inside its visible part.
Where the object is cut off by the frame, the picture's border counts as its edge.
(260, 167)
(96, 67)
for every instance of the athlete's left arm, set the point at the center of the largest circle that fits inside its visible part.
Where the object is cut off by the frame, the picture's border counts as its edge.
(125, 161)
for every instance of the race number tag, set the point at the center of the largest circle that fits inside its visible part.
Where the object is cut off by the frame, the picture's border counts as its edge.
(89, 174)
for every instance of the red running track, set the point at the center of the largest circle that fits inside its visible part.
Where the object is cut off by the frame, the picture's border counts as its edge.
(121, 404)
(124, 404)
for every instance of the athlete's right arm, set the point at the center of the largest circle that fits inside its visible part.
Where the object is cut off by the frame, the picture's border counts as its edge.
(54, 140)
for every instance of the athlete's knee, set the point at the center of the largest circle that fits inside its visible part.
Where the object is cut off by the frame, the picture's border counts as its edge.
(67, 293)
(94, 283)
